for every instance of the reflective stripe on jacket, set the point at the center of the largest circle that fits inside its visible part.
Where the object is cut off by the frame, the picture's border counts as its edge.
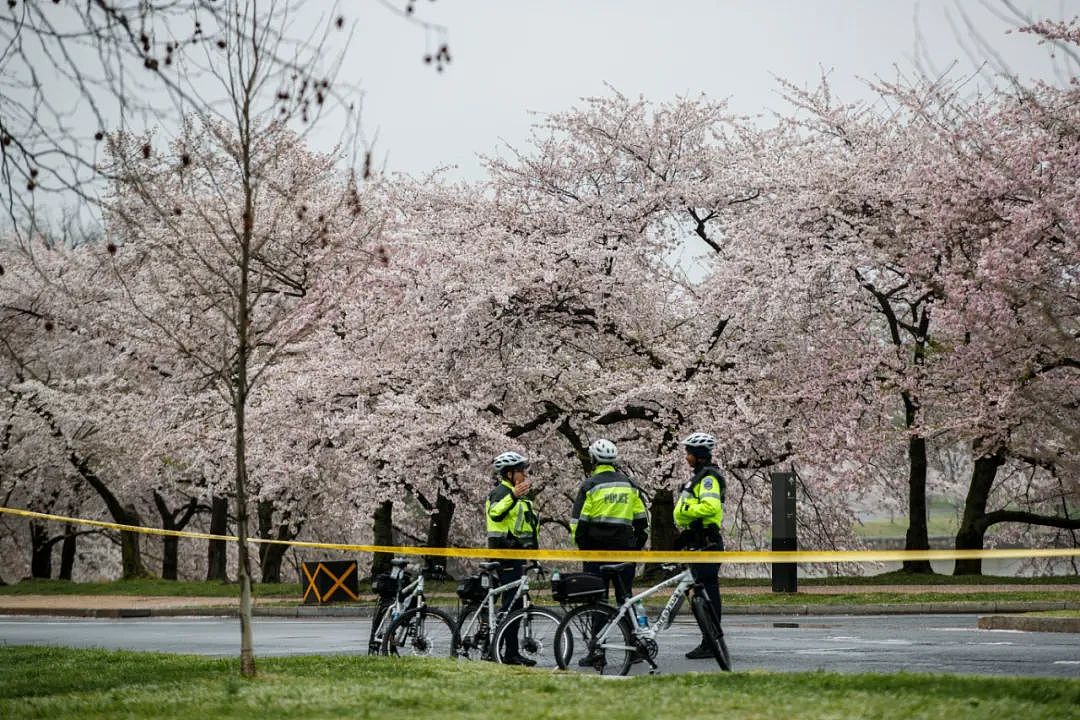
(609, 513)
(702, 498)
(511, 521)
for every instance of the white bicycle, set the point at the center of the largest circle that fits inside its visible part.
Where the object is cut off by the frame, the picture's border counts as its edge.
(404, 624)
(598, 637)
(483, 630)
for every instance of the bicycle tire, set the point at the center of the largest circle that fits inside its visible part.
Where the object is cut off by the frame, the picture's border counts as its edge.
(422, 632)
(476, 645)
(712, 634)
(375, 639)
(536, 628)
(575, 640)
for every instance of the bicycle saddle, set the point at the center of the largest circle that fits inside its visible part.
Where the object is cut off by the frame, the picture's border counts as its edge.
(612, 569)
(493, 565)
(399, 562)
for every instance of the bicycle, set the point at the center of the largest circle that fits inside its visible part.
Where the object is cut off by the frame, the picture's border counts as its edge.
(483, 629)
(403, 622)
(602, 636)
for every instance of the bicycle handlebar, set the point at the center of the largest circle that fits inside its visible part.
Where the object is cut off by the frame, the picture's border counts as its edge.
(433, 570)
(534, 565)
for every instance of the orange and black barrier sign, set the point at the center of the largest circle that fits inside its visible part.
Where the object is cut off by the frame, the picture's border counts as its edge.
(330, 581)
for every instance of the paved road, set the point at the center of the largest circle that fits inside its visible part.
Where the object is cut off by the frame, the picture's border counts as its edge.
(921, 643)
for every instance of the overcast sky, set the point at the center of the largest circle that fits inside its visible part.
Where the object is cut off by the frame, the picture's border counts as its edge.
(513, 58)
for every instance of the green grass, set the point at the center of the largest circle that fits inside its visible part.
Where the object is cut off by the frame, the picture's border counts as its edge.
(942, 520)
(898, 577)
(1057, 613)
(59, 683)
(903, 578)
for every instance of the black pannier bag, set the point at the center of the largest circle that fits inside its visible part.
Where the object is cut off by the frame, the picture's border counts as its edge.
(579, 588)
(472, 589)
(386, 586)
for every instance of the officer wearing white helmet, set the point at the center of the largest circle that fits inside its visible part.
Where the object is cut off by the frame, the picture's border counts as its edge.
(511, 524)
(699, 511)
(609, 514)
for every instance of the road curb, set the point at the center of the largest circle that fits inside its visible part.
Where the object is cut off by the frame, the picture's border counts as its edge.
(929, 608)
(80, 612)
(1028, 623)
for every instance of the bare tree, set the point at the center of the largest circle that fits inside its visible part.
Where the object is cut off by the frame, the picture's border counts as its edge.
(222, 77)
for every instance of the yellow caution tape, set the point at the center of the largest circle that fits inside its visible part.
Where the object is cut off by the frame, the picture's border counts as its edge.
(651, 556)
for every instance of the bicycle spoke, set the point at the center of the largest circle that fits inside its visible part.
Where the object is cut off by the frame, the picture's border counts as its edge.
(533, 632)
(578, 648)
(424, 632)
(474, 635)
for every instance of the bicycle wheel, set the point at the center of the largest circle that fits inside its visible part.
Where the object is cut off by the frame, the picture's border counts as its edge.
(577, 646)
(424, 632)
(535, 630)
(379, 623)
(473, 633)
(714, 636)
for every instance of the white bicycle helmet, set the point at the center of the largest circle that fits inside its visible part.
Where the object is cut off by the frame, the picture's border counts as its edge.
(700, 440)
(603, 451)
(508, 460)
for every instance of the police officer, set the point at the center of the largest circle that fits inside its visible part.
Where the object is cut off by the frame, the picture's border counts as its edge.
(698, 514)
(511, 524)
(609, 514)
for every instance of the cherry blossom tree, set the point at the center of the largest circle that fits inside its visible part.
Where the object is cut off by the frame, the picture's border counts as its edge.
(539, 309)
(915, 199)
(1005, 251)
(60, 375)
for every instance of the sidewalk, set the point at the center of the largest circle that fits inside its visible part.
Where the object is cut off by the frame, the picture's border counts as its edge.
(128, 606)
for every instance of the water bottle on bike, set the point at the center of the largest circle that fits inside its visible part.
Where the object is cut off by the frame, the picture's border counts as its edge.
(642, 617)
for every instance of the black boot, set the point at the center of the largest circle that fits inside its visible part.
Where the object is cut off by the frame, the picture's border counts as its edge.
(518, 660)
(593, 659)
(701, 652)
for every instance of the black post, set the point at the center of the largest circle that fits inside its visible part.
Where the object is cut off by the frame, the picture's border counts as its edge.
(785, 576)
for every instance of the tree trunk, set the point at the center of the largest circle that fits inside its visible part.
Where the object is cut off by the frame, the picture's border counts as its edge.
(130, 552)
(917, 534)
(271, 555)
(170, 550)
(268, 563)
(41, 548)
(271, 559)
(67, 552)
(217, 550)
(247, 653)
(170, 547)
(439, 533)
(662, 530)
(383, 529)
(240, 389)
(973, 525)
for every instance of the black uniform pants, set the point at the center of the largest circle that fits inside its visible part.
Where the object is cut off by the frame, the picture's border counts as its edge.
(623, 588)
(708, 574)
(510, 571)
